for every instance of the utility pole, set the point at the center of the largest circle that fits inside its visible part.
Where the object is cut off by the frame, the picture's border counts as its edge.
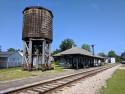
(93, 49)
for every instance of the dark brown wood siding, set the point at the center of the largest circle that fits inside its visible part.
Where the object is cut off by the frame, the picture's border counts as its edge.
(37, 23)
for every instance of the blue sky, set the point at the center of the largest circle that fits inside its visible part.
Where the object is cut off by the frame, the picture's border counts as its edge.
(99, 22)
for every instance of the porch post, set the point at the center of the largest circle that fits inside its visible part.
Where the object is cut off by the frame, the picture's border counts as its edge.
(77, 64)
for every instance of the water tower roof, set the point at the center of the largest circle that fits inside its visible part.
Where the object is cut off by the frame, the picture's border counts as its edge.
(37, 7)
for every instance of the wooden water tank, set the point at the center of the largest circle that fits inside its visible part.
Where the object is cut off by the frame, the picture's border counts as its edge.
(37, 23)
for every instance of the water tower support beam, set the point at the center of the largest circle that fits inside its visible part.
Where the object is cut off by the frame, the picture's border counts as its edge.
(24, 51)
(43, 52)
(30, 55)
(49, 61)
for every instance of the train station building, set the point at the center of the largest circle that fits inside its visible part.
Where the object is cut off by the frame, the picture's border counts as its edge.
(78, 58)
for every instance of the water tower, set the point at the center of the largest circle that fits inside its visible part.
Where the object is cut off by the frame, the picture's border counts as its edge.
(37, 37)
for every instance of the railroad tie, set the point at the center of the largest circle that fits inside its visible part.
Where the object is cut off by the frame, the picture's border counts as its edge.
(38, 90)
(23, 93)
(32, 92)
(42, 88)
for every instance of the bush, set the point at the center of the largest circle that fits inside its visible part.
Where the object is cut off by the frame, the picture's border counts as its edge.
(56, 63)
(57, 67)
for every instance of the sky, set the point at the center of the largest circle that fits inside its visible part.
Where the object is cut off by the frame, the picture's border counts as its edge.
(99, 22)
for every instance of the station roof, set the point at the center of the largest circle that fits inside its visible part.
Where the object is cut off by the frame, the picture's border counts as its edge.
(76, 50)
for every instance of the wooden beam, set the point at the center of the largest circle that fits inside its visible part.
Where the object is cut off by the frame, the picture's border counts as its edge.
(30, 52)
(24, 53)
(49, 53)
(77, 64)
(83, 61)
(43, 52)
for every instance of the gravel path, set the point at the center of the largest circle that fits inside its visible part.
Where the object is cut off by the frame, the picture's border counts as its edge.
(90, 85)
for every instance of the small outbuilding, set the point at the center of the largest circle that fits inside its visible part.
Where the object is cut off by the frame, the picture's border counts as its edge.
(78, 58)
(4, 59)
(10, 59)
(110, 60)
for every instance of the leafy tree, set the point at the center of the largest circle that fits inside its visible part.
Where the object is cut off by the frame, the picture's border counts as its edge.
(118, 58)
(123, 55)
(19, 50)
(67, 44)
(112, 54)
(0, 48)
(56, 51)
(11, 50)
(86, 47)
(102, 54)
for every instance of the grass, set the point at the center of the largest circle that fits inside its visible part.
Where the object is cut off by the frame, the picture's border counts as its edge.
(57, 67)
(123, 65)
(17, 73)
(116, 84)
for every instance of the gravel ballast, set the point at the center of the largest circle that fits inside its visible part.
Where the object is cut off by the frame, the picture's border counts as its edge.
(89, 85)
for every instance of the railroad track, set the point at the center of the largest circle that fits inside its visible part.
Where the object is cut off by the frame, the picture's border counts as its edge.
(48, 86)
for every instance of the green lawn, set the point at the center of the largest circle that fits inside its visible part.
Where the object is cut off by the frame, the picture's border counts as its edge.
(116, 84)
(17, 73)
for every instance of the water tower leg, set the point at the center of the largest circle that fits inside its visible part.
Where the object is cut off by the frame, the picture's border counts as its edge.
(49, 56)
(30, 55)
(43, 55)
(23, 58)
(49, 53)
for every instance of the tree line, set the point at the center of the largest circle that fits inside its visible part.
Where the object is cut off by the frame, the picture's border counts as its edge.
(10, 49)
(69, 43)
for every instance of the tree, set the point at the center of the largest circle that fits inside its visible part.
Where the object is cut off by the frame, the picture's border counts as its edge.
(56, 51)
(123, 55)
(86, 47)
(67, 44)
(11, 50)
(0, 48)
(102, 54)
(118, 58)
(19, 50)
(112, 54)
